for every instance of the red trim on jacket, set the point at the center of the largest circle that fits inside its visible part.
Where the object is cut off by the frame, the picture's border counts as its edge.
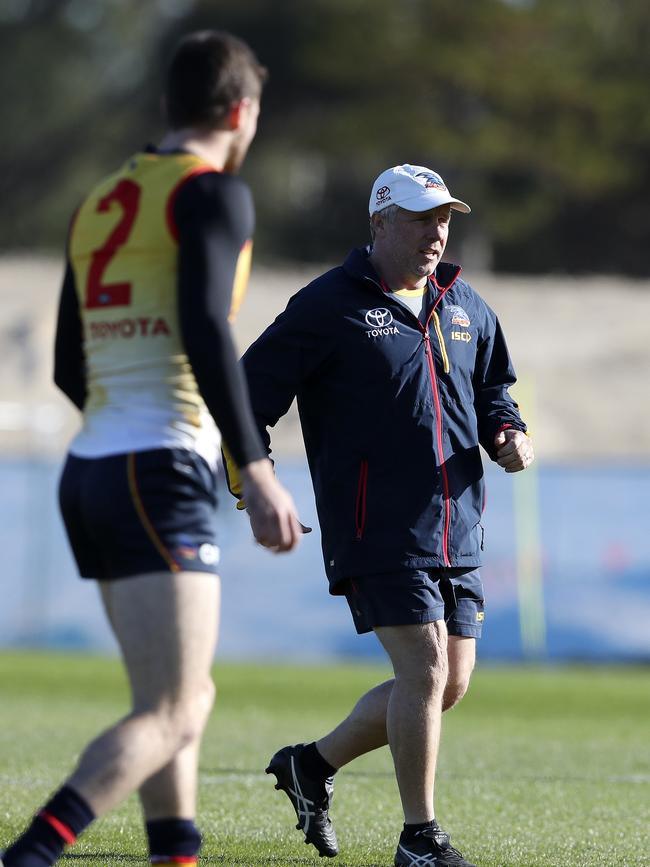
(438, 408)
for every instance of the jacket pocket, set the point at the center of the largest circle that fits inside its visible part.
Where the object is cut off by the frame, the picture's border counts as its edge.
(360, 510)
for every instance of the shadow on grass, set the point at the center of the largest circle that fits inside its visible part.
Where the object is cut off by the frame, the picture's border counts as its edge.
(105, 858)
(626, 779)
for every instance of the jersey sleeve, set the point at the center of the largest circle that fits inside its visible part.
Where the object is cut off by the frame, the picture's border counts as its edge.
(69, 357)
(214, 221)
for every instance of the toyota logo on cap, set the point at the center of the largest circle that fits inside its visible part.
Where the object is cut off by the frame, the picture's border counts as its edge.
(382, 193)
(379, 317)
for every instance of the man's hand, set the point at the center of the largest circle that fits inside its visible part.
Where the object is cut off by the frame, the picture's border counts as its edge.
(514, 450)
(270, 508)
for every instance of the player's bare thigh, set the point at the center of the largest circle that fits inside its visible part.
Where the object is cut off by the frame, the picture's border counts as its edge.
(167, 627)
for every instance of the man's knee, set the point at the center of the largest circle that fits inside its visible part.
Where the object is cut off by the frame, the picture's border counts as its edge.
(182, 719)
(196, 711)
(419, 656)
(462, 657)
(427, 676)
(455, 689)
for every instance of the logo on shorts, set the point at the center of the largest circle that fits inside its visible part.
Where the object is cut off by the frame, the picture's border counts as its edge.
(186, 552)
(208, 554)
(480, 616)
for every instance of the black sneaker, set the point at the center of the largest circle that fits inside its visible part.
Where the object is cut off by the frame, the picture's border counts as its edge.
(430, 848)
(311, 799)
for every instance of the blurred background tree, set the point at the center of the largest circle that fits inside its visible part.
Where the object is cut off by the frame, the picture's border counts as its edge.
(534, 112)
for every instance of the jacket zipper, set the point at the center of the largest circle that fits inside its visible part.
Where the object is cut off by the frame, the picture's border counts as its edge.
(360, 511)
(436, 399)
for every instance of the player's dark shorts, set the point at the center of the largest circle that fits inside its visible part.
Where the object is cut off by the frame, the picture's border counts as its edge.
(418, 596)
(149, 511)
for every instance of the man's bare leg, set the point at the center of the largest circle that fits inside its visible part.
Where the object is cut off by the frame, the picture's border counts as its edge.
(172, 791)
(166, 626)
(418, 654)
(365, 728)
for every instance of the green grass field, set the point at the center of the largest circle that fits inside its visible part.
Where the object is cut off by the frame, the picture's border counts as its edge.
(539, 767)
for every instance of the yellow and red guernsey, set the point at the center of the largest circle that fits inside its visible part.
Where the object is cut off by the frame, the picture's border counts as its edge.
(123, 250)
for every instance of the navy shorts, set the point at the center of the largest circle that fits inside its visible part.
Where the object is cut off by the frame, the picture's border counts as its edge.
(418, 596)
(140, 512)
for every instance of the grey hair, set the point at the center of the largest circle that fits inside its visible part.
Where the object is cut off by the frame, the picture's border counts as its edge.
(387, 214)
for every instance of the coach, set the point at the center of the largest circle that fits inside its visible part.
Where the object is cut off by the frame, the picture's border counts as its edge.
(401, 371)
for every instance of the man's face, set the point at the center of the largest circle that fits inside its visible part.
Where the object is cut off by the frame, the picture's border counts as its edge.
(415, 241)
(249, 110)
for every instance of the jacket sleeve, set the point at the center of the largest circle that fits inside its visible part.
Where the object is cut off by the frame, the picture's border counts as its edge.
(280, 363)
(495, 409)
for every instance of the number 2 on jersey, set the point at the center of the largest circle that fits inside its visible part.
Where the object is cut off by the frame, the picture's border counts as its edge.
(98, 294)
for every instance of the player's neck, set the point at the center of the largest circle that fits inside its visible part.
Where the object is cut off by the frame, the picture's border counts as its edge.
(214, 147)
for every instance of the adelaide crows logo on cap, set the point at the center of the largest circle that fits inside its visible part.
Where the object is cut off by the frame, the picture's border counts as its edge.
(432, 181)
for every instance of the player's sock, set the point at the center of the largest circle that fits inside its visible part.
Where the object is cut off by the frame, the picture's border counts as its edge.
(411, 831)
(313, 764)
(57, 825)
(173, 841)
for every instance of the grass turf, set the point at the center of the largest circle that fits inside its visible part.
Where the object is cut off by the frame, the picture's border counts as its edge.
(538, 768)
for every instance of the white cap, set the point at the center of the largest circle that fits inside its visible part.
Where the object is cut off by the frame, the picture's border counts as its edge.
(414, 188)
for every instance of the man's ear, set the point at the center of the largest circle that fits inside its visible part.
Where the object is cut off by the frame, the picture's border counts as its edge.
(237, 113)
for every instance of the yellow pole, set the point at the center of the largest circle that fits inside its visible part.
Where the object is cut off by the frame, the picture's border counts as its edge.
(530, 581)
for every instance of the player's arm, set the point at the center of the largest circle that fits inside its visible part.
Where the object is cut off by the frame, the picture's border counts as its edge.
(213, 215)
(502, 432)
(69, 358)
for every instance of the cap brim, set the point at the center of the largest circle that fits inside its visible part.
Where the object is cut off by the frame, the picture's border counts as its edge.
(434, 199)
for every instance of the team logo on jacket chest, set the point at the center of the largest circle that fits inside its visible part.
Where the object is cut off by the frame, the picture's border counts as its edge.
(380, 320)
(458, 315)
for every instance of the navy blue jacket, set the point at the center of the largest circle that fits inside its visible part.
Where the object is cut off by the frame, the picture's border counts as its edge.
(392, 415)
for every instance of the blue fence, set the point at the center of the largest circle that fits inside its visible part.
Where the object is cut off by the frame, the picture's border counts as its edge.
(567, 572)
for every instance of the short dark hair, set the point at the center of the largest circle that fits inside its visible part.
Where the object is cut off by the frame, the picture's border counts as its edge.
(209, 71)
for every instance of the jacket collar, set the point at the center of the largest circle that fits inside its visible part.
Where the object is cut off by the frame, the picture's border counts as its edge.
(357, 265)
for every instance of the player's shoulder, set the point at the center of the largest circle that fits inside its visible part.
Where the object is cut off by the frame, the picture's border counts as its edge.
(208, 181)
(216, 199)
(215, 191)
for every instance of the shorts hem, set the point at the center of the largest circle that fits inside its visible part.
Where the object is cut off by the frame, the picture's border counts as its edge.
(124, 575)
(464, 631)
(417, 618)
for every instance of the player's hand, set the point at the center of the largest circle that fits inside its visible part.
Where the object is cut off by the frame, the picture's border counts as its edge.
(270, 507)
(514, 450)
